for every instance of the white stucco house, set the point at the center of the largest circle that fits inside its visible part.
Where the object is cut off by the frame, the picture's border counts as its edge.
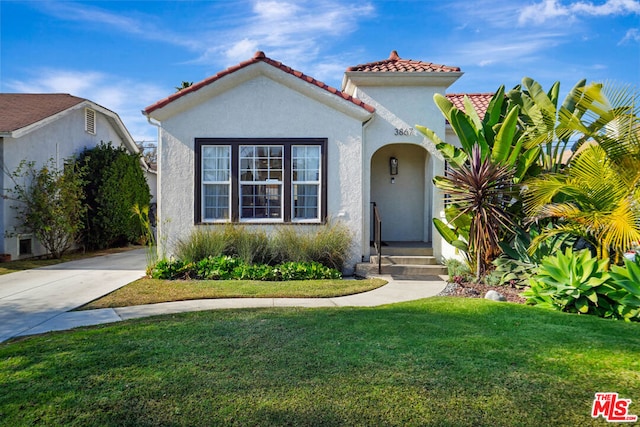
(39, 127)
(261, 143)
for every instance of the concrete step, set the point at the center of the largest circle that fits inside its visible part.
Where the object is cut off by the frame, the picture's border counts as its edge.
(397, 250)
(405, 260)
(367, 269)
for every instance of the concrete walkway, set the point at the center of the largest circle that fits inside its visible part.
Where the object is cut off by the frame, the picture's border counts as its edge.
(40, 300)
(31, 299)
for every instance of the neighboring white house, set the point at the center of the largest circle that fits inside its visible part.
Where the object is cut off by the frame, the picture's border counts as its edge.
(39, 127)
(261, 143)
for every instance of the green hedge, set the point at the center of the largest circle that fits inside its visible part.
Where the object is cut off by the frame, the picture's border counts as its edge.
(115, 183)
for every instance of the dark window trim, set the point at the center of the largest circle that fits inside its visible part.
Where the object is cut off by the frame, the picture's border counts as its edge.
(235, 144)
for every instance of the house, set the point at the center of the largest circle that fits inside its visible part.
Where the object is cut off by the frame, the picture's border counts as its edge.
(39, 127)
(263, 144)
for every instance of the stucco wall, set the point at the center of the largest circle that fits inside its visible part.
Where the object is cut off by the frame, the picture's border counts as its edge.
(401, 108)
(57, 140)
(258, 108)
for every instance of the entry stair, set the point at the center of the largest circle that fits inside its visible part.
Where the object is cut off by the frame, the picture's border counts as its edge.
(403, 259)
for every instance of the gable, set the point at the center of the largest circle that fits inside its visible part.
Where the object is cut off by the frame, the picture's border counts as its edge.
(20, 110)
(246, 71)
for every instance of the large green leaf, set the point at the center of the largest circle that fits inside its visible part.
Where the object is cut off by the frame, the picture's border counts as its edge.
(464, 128)
(500, 154)
(494, 110)
(447, 233)
(452, 154)
(444, 105)
(429, 134)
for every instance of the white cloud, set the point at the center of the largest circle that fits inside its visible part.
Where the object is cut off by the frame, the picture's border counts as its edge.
(293, 32)
(632, 35)
(121, 95)
(501, 50)
(141, 26)
(546, 10)
(287, 30)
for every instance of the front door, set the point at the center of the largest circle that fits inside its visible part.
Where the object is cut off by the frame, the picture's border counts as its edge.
(400, 194)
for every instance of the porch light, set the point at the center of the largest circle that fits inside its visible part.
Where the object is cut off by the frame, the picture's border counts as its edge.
(393, 166)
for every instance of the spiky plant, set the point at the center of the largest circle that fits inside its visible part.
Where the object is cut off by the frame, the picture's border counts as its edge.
(483, 190)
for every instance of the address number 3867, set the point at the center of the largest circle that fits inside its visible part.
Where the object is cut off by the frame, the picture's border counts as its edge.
(404, 131)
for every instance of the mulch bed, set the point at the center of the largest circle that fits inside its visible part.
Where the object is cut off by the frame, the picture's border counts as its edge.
(474, 290)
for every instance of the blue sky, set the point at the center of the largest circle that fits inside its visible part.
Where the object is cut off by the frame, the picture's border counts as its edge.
(125, 55)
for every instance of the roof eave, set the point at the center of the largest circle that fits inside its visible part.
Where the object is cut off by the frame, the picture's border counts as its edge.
(250, 72)
(395, 78)
(113, 118)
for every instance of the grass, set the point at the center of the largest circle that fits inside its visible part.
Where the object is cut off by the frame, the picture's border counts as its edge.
(149, 291)
(28, 264)
(438, 361)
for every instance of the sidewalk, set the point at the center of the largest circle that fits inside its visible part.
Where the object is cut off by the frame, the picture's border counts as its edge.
(40, 300)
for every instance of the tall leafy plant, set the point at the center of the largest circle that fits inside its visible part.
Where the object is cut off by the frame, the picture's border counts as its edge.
(482, 173)
(589, 199)
(115, 185)
(50, 203)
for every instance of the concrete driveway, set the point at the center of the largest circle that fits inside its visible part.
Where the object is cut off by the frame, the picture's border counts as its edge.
(31, 297)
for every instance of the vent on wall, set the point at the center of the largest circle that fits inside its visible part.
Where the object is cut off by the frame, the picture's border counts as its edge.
(90, 121)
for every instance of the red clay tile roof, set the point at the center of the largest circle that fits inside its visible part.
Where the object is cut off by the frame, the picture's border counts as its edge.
(23, 109)
(258, 57)
(480, 101)
(397, 64)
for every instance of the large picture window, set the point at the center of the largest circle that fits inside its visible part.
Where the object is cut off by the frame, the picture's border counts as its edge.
(260, 180)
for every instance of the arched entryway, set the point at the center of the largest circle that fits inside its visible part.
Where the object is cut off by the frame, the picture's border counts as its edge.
(402, 198)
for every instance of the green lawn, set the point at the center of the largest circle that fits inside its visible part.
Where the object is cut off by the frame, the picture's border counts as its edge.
(149, 291)
(439, 361)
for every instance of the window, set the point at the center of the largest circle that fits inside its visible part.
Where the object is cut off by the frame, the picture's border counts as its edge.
(90, 121)
(216, 180)
(25, 245)
(305, 180)
(260, 180)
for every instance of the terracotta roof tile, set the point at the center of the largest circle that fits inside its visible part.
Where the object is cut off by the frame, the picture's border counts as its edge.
(23, 109)
(480, 101)
(397, 64)
(258, 57)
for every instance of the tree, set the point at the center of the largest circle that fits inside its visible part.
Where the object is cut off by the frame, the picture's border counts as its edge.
(115, 184)
(50, 203)
(595, 193)
(183, 85)
(589, 200)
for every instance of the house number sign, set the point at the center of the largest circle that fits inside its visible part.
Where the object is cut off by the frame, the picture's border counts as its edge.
(404, 131)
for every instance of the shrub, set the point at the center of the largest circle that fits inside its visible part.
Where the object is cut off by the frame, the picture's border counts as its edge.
(115, 183)
(306, 271)
(219, 267)
(224, 267)
(50, 203)
(252, 246)
(516, 266)
(203, 242)
(172, 269)
(578, 283)
(458, 271)
(328, 245)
